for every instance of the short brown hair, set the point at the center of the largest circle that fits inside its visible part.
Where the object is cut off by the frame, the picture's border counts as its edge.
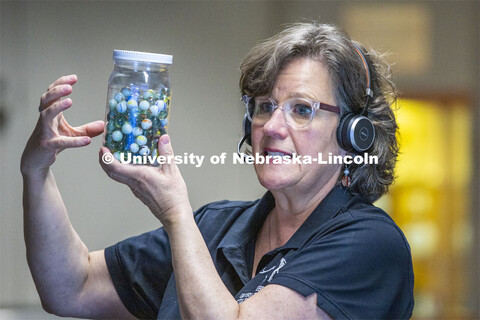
(333, 48)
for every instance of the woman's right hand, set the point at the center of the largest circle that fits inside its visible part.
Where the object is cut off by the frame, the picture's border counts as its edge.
(52, 133)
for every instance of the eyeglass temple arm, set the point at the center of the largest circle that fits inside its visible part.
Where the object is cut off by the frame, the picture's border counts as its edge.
(329, 107)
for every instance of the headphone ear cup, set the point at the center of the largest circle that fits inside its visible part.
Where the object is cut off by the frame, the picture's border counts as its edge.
(361, 133)
(247, 130)
(355, 133)
(342, 132)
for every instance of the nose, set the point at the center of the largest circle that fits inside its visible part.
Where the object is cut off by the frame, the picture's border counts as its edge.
(276, 126)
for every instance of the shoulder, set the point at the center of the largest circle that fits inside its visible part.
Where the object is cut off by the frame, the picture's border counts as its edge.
(358, 262)
(362, 235)
(369, 233)
(374, 228)
(374, 250)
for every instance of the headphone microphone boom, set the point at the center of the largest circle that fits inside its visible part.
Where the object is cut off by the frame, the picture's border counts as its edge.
(247, 133)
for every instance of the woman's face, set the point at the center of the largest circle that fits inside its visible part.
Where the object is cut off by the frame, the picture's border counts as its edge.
(304, 78)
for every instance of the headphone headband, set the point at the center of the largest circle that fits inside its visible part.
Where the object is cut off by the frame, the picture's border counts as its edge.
(369, 92)
(355, 132)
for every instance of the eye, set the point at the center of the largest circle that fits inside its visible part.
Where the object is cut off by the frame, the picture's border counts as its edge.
(302, 110)
(264, 107)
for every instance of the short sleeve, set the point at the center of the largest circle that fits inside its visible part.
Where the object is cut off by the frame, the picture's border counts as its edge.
(140, 268)
(360, 268)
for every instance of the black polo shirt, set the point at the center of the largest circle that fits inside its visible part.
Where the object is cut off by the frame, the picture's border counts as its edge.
(348, 252)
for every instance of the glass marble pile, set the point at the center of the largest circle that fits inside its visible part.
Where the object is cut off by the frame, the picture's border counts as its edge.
(136, 119)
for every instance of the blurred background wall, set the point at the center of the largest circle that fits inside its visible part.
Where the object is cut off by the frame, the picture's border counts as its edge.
(435, 48)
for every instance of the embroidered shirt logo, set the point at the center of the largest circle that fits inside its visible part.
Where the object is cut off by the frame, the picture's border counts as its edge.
(282, 263)
(269, 275)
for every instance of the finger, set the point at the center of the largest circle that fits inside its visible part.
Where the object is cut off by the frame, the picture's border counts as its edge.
(56, 108)
(122, 173)
(60, 88)
(70, 79)
(52, 95)
(91, 129)
(165, 149)
(61, 143)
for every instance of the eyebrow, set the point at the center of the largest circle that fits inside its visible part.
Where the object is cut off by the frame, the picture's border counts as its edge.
(299, 94)
(296, 94)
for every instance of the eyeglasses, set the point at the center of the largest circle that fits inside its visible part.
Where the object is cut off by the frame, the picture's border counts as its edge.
(298, 112)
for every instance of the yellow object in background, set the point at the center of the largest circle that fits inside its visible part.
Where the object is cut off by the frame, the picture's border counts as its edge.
(431, 202)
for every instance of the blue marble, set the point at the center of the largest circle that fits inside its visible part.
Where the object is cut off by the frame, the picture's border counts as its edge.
(119, 97)
(144, 105)
(146, 124)
(127, 128)
(154, 110)
(161, 105)
(134, 147)
(121, 107)
(147, 94)
(137, 131)
(112, 104)
(132, 104)
(141, 140)
(117, 135)
(144, 151)
(126, 91)
(134, 96)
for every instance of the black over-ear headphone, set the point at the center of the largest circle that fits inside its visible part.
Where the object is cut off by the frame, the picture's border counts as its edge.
(355, 132)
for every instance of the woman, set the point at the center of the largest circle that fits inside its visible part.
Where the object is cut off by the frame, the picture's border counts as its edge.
(314, 247)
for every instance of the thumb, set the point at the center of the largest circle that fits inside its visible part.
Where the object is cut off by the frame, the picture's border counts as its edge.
(165, 149)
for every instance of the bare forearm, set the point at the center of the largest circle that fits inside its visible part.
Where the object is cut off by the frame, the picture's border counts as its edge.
(57, 257)
(201, 292)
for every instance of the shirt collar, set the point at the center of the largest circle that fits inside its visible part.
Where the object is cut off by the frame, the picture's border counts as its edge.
(249, 223)
(235, 244)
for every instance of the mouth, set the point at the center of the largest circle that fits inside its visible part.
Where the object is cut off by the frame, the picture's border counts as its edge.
(276, 153)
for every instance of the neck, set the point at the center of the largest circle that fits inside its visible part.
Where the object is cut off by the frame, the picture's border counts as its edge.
(291, 211)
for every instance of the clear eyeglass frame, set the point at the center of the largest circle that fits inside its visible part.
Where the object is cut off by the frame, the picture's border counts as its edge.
(291, 108)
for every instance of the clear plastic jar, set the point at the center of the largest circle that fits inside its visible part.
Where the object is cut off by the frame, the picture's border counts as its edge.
(138, 103)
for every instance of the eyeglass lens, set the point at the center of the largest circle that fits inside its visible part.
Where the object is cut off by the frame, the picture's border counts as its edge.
(298, 112)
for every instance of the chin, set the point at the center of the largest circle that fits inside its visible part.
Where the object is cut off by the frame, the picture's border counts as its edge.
(273, 186)
(273, 179)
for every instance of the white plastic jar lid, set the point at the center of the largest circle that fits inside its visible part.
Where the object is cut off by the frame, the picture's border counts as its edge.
(142, 56)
